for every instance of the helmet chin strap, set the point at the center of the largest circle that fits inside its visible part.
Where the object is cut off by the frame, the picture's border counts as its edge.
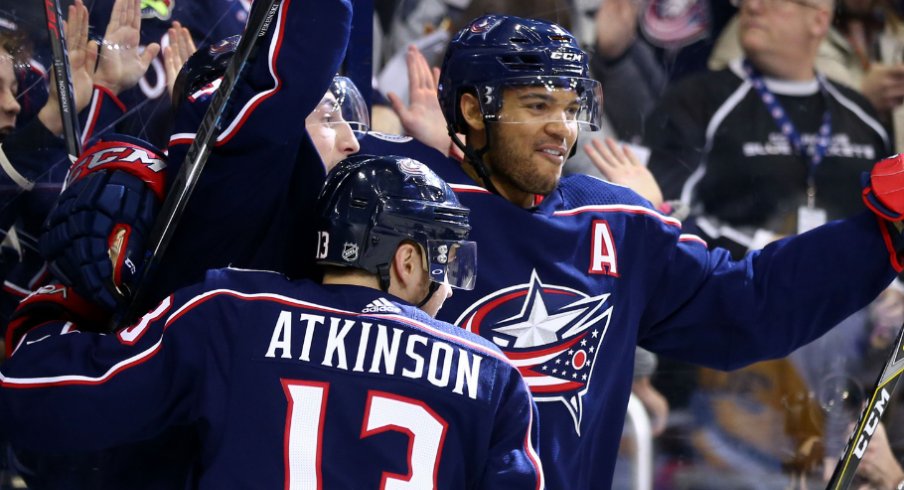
(383, 274)
(434, 286)
(475, 158)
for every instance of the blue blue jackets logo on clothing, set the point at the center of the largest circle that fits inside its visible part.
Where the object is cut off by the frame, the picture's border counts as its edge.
(551, 333)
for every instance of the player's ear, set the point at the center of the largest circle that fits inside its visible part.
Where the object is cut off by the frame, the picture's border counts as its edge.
(470, 110)
(406, 265)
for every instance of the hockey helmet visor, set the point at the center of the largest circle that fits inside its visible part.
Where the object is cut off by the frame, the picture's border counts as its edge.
(544, 99)
(452, 262)
(347, 104)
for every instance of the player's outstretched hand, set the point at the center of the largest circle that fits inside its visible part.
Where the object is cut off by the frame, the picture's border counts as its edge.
(422, 118)
(96, 234)
(122, 63)
(621, 166)
(181, 47)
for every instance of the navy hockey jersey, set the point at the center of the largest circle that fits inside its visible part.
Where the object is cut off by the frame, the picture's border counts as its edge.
(288, 385)
(254, 204)
(568, 288)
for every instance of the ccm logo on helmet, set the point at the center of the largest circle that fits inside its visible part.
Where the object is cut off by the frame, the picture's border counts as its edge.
(558, 55)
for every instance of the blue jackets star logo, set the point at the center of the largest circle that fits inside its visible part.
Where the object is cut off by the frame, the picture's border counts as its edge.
(551, 333)
(483, 26)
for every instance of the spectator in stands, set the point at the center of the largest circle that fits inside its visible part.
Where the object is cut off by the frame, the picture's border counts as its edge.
(863, 50)
(765, 148)
(643, 45)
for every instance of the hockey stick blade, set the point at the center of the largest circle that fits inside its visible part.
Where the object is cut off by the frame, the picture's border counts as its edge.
(262, 13)
(63, 77)
(869, 418)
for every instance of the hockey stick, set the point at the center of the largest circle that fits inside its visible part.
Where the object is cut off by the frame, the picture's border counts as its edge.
(63, 77)
(869, 418)
(262, 12)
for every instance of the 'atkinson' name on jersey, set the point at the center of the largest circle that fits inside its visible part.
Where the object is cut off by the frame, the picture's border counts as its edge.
(369, 346)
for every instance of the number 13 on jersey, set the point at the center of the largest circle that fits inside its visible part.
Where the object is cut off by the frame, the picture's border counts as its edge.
(305, 415)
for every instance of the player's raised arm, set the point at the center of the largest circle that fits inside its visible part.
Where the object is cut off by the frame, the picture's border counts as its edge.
(743, 324)
(302, 52)
(247, 207)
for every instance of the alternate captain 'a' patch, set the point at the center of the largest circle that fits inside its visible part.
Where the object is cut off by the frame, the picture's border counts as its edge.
(551, 333)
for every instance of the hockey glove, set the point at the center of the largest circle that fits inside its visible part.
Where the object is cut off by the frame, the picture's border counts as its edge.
(883, 194)
(95, 237)
(53, 302)
(883, 188)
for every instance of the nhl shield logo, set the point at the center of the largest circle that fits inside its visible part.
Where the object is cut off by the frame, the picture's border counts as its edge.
(551, 333)
(350, 252)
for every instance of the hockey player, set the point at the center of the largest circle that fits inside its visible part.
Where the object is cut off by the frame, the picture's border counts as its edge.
(255, 220)
(255, 153)
(581, 271)
(287, 383)
(254, 157)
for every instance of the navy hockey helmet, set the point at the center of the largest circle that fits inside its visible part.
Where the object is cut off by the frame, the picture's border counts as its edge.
(498, 51)
(371, 204)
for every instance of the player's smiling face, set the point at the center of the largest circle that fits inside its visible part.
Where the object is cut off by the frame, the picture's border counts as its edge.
(531, 141)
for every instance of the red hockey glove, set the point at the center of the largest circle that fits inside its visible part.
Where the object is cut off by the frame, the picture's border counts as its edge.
(883, 188)
(883, 194)
(53, 302)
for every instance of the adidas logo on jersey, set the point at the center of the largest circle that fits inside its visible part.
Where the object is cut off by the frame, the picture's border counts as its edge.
(381, 305)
